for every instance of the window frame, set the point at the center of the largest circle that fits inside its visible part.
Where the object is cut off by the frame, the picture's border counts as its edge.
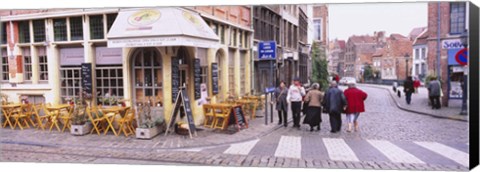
(108, 78)
(100, 30)
(76, 28)
(24, 31)
(4, 33)
(457, 18)
(57, 34)
(43, 62)
(4, 64)
(74, 78)
(27, 66)
(39, 31)
(317, 33)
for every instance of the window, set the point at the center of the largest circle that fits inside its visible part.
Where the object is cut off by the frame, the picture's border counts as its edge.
(109, 83)
(317, 26)
(71, 86)
(34, 99)
(222, 34)
(417, 69)
(148, 77)
(76, 28)
(96, 27)
(231, 72)
(60, 29)
(24, 32)
(43, 64)
(240, 33)
(424, 69)
(243, 58)
(4, 73)
(39, 30)
(4, 33)
(457, 17)
(27, 64)
(110, 19)
(219, 60)
(417, 53)
(424, 53)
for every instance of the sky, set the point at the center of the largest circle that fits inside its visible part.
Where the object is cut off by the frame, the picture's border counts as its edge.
(346, 20)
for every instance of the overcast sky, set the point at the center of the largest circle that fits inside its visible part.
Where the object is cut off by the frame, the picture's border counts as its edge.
(348, 19)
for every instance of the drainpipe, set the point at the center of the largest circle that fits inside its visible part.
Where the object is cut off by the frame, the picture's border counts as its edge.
(438, 39)
(252, 58)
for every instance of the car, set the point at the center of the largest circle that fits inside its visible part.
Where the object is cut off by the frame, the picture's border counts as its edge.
(345, 80)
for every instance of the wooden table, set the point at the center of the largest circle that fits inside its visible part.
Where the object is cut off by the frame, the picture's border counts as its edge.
(245, 102)
(8, 110)
(55, 112)
(109, 114)
(222, 112)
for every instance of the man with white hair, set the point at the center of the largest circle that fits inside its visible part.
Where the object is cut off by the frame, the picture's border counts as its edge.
(334, 103)
(355, 98)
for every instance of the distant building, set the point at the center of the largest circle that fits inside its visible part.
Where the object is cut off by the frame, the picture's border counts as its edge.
(358, 45)
(396, 63)
(337, 57)
(420, 48)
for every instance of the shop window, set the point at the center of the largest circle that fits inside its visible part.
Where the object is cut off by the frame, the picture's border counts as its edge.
(43, 64)
(4, 33)
(5, 76)
(110, 19)
(96, 27)
(24, 31)
(109, 84)
(457, 17)
(27, 65)
(148, 77)
(60, 29)
(76, 28)
(38, 30)
(71, 86)
(231, 72)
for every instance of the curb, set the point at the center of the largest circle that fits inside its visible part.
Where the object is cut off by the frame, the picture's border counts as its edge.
(413, 111)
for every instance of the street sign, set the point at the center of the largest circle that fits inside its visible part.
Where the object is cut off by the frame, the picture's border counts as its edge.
(267, 50)
(269, 89)
(462, 57)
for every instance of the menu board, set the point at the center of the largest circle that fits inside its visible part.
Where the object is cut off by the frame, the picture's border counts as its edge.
(214, 78)
(175, 78)
(240, 120)
(188, 111)
(182, 101)
(87, 80)
(198, 79)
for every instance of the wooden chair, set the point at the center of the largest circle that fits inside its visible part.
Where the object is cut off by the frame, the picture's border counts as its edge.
(125, 124)
(40, 119)
(66, 118)
(7, 117)
(29, 110)
(209, 114)
(222, 117)
(93, 115)
(19, 116)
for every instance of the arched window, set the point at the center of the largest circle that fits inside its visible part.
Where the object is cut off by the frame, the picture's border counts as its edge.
(148, 77)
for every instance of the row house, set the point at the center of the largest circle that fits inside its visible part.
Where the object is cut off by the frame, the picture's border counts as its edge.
(337, 57)
(140, 55)
(395, 63)
(419, 58)
(356, 47)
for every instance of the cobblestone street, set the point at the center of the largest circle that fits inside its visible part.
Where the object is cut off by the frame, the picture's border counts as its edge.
(389, 138)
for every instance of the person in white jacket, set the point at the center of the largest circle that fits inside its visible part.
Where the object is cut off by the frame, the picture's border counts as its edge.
(295, 98)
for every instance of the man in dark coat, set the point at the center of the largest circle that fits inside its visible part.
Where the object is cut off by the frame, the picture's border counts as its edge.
(335, 102)
(434, 90)
(281, 103)
(408, 89)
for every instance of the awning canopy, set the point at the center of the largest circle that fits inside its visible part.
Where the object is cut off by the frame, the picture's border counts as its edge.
(160, 27)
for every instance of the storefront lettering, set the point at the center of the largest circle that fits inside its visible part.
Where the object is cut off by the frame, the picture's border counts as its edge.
(452, 44)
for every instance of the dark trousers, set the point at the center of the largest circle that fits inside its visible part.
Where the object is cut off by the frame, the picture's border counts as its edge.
(408, 97)
(435, 102)
(296, 108)
(335, 121)
(282, 116)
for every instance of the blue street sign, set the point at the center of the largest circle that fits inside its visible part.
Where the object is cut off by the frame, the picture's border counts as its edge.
(267, 50)
(269, 89)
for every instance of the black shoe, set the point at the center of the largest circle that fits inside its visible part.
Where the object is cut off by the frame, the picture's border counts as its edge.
(311, 129)
(318, 128)
(279, 123)
(285, 125)
(332, 131)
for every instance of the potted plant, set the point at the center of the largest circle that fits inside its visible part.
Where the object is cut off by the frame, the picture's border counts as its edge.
(148, 127)
(80, 124)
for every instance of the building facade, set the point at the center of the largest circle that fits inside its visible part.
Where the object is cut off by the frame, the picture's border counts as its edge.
(337, 57)
(133, 56)
(420, 49)
(396, 59)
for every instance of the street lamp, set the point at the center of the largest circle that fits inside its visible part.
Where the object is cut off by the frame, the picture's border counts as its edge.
(407, 57)
(465, 77)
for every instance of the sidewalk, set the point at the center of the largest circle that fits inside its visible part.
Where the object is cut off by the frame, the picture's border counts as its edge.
(205, 137)
(420, 105)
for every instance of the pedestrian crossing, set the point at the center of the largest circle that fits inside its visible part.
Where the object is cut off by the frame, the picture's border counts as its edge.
(339, 149)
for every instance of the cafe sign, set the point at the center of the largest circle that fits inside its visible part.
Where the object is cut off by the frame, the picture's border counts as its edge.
(452, 44)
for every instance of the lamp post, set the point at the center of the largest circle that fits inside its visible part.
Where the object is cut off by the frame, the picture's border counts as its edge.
(407, 57)
(465, 78)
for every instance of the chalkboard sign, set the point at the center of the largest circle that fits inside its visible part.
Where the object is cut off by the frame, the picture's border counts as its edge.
(214, 78)
(182, 100)
(240, 120)
(198, 79)
(188, 111)
(175, 78)
(87, 80)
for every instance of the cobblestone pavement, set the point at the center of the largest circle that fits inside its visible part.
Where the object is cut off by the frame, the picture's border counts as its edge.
(388, 139)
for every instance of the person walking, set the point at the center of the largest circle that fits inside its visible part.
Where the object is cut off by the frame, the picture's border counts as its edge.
(314, 98)
(408, 89)
(434, 93)
(335, 103)
(294, 97)
(416, 84)
(355, 98)
(281, 103)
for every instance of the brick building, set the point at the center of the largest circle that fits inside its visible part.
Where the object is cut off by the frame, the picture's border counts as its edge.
(420, 49)
(356, 46)
(444, 42)
(396, 56)
(337, 57)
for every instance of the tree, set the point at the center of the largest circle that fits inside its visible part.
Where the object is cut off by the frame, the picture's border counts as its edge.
(368, 72)
(319, 65)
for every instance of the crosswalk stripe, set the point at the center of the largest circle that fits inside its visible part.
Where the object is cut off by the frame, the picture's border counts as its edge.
(241, 148)
(394, 153)
(290, 147)
(339, 150)
(446, 151)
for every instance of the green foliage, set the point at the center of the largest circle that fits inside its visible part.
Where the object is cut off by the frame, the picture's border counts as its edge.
(319, 66)
(79, 116)
(368, 72)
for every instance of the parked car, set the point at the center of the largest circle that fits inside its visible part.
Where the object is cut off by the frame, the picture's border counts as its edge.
(345, 80)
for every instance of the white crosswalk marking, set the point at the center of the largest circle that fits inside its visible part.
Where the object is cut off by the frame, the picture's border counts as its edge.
(290, 147)
(394, 153)
(339, 150)
(241, 148)
(446, 151)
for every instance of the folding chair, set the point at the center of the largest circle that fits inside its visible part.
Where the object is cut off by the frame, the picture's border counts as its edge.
(209, 114)
(40, 119)
(66, 118)
(29, 111)
(125, 124)
(222, 117)
(7, 116)
(19, 116)
(95, 119)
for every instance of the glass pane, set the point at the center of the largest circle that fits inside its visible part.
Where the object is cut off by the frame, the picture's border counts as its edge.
(99, 83)
(76, 28)
(148, 92)
(105, 73)
(60, 29)
(148, 77)
(120, 73)
(106, 83)
(98, 73)
(139, 80)
(77, 73)
(96, 27)
(112, 73)
(120, 92)
(113, 82)
(120, 83)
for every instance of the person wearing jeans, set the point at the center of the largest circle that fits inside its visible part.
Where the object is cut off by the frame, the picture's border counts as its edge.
(295, 97)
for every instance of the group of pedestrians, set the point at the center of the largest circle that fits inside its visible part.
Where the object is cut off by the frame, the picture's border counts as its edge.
(334, 102)
(411, 86)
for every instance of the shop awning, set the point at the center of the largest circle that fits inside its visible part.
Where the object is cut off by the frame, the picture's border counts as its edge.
(156, 27)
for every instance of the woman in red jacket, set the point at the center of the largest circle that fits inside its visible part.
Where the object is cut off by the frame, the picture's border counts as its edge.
(416, 84)
(355, 98)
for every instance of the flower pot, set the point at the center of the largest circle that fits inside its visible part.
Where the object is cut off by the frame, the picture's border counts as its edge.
(80, 130)
(147, 133)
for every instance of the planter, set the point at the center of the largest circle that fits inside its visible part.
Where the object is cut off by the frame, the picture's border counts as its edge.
(147, 133)
(80, 130)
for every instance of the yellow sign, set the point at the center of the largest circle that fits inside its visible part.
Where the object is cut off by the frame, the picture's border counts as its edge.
(144, 17)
